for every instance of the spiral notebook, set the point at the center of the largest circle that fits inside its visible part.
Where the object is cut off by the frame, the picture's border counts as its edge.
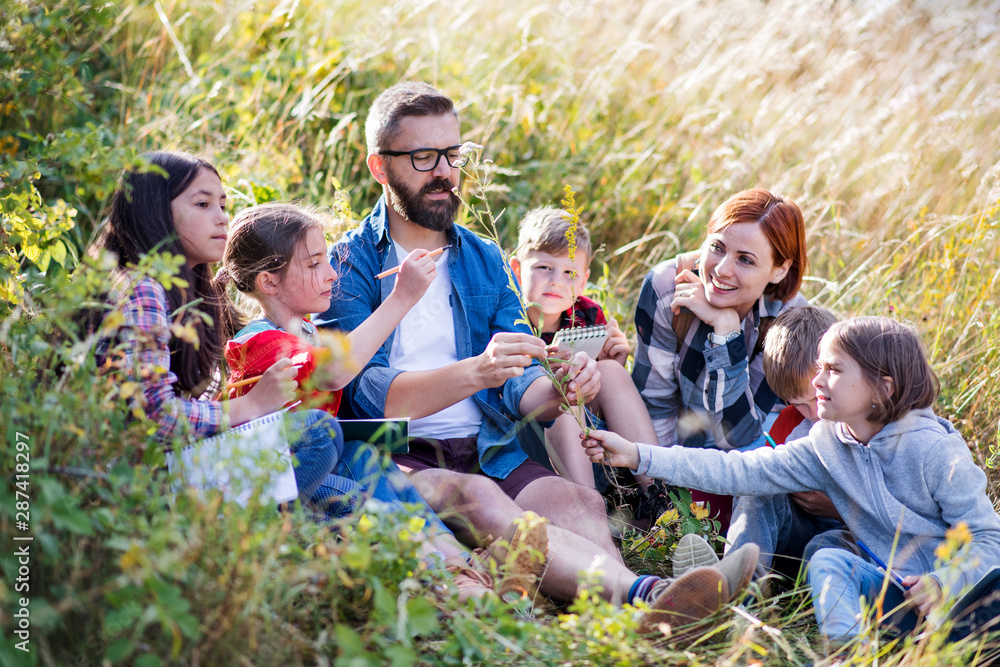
(254, 454)
(583, 339)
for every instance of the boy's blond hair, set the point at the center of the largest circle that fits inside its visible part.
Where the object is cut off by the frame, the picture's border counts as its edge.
(544, 230)
(792, 348)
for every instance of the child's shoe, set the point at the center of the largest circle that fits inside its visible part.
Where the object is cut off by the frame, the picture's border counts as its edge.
(470, 582)
(738, 567)
(693, 551)
(519, 556)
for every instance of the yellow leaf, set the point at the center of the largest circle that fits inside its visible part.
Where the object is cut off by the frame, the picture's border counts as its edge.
(131, 558)
(114, 320)
(58, 251)
(185, 332)
(44, 257)
(667, 518)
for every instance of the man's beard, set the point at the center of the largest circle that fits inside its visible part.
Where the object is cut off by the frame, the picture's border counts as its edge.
(435, 215)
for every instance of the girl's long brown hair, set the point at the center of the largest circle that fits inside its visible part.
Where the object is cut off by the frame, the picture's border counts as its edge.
(141, 222)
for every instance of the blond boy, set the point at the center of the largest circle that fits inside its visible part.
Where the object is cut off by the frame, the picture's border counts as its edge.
(553, 284)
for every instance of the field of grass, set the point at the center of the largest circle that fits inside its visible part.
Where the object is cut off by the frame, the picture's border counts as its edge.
(878, 118)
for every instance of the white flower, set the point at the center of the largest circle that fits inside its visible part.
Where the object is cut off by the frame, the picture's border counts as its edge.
(469, 147)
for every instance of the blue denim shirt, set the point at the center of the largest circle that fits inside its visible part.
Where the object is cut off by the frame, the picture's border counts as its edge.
(483, 304)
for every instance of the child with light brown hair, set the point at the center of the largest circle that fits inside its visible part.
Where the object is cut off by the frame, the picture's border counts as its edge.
(782, 525)
(901, 477)
(553, 284)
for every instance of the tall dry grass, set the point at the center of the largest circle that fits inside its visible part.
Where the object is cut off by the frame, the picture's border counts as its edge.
(879, 118)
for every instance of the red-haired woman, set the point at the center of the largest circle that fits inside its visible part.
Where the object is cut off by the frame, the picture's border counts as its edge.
(699, 319)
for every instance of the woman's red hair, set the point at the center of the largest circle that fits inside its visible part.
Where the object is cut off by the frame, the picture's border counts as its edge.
(782, 223)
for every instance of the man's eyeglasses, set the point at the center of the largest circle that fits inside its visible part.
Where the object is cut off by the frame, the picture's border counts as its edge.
(426, 159)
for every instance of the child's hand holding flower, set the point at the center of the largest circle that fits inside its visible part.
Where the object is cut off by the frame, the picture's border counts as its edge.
(584, 378)
(611, 448)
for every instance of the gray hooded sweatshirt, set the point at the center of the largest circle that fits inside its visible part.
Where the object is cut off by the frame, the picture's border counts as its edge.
(916, 474)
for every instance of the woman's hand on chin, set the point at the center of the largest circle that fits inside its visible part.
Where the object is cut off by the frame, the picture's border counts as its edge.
(691, 294)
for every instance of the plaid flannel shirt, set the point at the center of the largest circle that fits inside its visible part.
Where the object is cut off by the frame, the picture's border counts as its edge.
(145, 338)
(700, 395)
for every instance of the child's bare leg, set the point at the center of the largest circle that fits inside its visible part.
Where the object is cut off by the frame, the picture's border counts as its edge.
(562, 442)
(621, 407)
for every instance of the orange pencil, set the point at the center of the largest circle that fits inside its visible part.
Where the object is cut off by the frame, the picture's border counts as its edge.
(243, 383)
(395, 269)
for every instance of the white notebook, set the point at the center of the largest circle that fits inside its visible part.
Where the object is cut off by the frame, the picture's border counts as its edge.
(233, 461)
(583, 339)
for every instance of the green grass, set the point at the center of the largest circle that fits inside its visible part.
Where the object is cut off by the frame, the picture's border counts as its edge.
(878, 119)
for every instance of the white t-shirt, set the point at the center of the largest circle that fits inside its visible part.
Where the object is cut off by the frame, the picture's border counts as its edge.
(425, 340)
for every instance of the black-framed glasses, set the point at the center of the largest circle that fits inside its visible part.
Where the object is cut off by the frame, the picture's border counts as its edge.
(426, 159)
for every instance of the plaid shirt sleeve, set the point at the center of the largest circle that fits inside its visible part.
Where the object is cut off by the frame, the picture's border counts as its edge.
(145, 342)
(717, 382)
(655, 352)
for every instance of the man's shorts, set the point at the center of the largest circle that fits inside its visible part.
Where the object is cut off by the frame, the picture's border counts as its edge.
(461, 455)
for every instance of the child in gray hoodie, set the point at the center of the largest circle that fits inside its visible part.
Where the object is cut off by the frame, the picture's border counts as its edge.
(890, 466)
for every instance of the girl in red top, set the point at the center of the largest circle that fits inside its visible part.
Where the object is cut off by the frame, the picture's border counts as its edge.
(276, 254)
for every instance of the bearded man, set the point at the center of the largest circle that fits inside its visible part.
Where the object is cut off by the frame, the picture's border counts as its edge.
(465, 373)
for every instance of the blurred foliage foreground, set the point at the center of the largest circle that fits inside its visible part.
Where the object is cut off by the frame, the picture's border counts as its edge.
(879, 119)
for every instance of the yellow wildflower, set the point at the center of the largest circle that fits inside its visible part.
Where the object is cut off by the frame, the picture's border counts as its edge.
(955, 539)
(699, 511)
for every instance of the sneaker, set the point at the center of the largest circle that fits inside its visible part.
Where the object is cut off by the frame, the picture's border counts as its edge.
(684, 600)
(737, 567)
(471, 583)
(519, 556)
(693, 551)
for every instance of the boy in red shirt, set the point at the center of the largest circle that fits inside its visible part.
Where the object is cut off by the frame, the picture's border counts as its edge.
(783, 525)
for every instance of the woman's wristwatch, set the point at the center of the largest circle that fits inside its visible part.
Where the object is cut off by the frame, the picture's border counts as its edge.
(718, 341)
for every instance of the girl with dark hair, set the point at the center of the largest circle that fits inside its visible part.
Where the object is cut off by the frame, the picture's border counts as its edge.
(179, 206)
(902, 478)
(276, 255)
